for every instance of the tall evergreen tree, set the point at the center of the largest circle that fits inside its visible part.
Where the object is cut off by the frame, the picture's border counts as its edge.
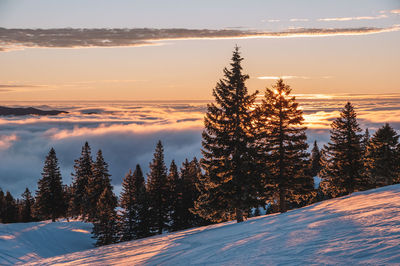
(365, 141)
(315, 160)
(342, 169)
(10, 214)
(174, 197)
(158, 192)
(27, 206)
(97, 182)
(282, 140)
(381, 158)
(82, 173)
(49, 196)
(134, 201)
(190, 174)
(2, 205)
(105, 224)
(229, 185)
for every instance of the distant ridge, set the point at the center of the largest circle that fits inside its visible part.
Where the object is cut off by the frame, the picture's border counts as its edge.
(27, 111)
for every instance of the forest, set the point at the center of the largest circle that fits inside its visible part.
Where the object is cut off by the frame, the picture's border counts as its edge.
(255, 159)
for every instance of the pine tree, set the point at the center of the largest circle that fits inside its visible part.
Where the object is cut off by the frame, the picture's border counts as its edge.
(342, 169)
(381, 158)
(2, 205)
(190, 172)
(174, 197)
(134, 201)
(229, 185)
(365, 141)
(10, 214)
(97, 182)
(27, 206)
(282, 140)
(67, 193)
(315, 160)
(158, 192)
(80, 203)
(105, 224)
(49, 196)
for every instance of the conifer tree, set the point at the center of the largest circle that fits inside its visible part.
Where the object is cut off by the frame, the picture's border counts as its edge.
(27, 206)
(97, 182)
(342, 169)
(2, 206)
(10, 214)
(82, 173)
(49, 196)
(105, 224)
(134, 201)
(158, 192)
(381, 158)
(174, 197)
(315, 160)
(67, 193)
(365, 141)
(229, 184)
(282, 140)
(190, 172)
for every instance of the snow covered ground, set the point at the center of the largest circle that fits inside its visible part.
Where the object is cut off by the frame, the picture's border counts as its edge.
(363, 228)
(21, 242)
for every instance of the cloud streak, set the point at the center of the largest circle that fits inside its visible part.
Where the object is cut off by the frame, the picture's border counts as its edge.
(85, 38)
(354, 18)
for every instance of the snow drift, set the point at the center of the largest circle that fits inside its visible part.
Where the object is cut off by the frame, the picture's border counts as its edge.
(22, 242)
(363, 228)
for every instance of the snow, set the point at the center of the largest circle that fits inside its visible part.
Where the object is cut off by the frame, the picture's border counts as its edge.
(22, 242)
(363, 228)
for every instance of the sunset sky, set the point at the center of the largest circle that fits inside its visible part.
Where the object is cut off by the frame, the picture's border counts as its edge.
(319, 47)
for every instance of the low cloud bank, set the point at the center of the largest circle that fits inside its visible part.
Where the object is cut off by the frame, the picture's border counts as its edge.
(127, 133)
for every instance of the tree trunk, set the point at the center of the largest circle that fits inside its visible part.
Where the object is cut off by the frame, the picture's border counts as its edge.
(282, 200)
(239, 215)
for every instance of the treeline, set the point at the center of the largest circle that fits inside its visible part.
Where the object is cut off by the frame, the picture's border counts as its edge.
(162, 204)
(255, 156)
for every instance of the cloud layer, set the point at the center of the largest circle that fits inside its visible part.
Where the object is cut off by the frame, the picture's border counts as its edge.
(128, 131)
(78, 38)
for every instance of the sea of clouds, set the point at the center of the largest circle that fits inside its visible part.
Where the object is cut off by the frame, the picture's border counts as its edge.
(127, 132)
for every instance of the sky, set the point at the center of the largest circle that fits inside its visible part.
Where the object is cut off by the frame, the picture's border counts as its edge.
(176, 50)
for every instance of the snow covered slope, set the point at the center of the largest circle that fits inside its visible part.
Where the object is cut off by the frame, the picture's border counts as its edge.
(23, 242)
(363, 228)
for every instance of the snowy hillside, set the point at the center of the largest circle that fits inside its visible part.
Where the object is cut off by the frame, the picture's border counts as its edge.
(363, 228)
(22, 242)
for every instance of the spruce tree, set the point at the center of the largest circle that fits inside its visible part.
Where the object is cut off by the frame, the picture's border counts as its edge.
(381, 158)
(158, 192)
(97, 182)
(27, 206)
(174, 197)
(105, 224)
(365, 141)
(10, 214)
(282, 141)
(134, 202)
(342, 168)
(315, 160)
(80, 203)
(49, 196)
(229, 184)
(190, 172)
(2, 206)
